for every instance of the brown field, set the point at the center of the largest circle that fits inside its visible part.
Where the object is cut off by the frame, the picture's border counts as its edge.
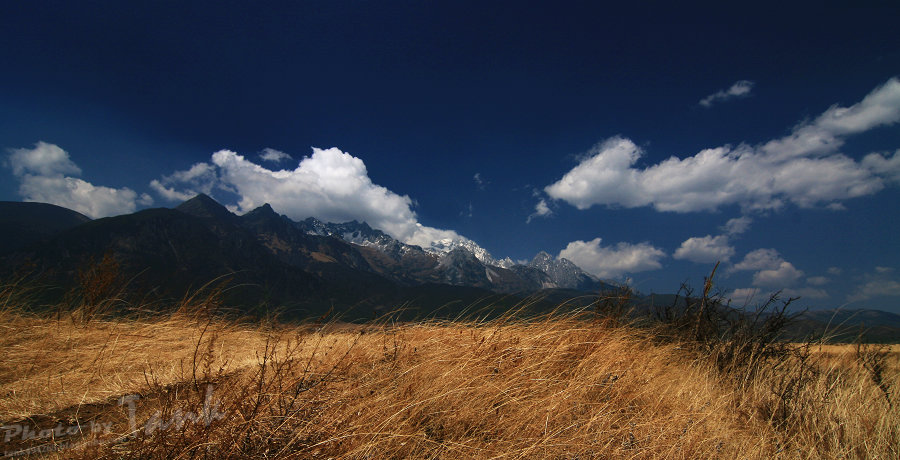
(555, 387)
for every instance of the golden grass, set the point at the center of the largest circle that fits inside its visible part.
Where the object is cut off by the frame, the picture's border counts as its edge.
(554, 387)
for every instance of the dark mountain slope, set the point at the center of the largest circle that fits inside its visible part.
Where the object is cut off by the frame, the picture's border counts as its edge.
(25, 223)
(167, 252)
(204, 207)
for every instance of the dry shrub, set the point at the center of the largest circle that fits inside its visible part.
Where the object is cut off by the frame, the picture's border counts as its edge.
(797, 392)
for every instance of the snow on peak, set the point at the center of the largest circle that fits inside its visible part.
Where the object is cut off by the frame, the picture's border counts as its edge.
(444, 246)
(362, 234)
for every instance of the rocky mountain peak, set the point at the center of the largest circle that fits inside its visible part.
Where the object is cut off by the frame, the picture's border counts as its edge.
(542, 258)
(262, 211)
(564, 272)
(205, 207)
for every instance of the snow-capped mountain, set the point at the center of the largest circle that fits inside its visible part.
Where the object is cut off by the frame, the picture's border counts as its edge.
(446, 245)
(362, 234)
(359, 233)
(461, 261)
(564, 272)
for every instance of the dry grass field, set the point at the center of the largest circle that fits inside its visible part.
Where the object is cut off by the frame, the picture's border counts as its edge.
(190, 384)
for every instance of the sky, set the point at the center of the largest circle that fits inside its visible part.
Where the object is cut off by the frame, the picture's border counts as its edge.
(645, 143)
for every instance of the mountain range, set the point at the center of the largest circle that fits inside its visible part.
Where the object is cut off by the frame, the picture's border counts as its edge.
(306, 267)
(311, 267)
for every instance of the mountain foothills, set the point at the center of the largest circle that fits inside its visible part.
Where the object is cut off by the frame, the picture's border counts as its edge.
(309, 268)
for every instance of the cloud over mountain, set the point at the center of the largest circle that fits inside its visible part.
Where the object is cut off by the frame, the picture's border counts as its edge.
(613, 261)
(771, 269)
(880, 282)
(330, 185)
(45, 175)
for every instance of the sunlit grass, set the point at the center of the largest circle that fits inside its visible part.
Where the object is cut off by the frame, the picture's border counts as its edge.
(558, 386)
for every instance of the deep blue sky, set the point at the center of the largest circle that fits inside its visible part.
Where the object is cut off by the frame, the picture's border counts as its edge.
(429, 94)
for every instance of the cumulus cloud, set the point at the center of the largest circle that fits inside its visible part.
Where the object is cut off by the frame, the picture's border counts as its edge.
(613, 261)
(706, 249)
(803, 168)
(785, 274)
(771, 269)
(541, 209)
(275, 156)
(43, 160)
(740, 88)
(758, 260)
(45, 175)
(604, 176)
(330, 185)
(199, 178)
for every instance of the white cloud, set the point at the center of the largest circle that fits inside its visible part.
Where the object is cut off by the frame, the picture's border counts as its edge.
(803, 168)
(738, 89)
(875, 288)
(744, 296)
(43, 160)
(706, 249)
(424, 236)
(760, 259)
(825, 134)
(275, 156)
(170, 193)
(604, 176)
(834, 271)
(783, 275)
(613, 261)
(145, 199)
(330, 185)
(200, 178)
(771, 269)
(879, 283)
(540, 210)
(887, 167)
(817, 280)
(44, 174)
(479, 181)
(79, 195)
(738, 225)
(748, 296)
